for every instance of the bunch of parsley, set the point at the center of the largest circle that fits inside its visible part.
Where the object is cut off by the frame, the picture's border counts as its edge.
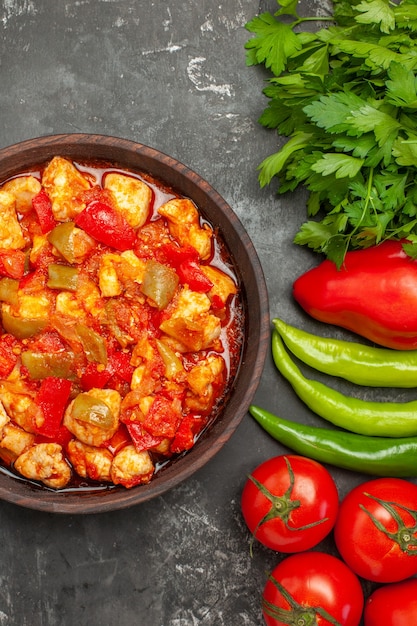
(345, 96)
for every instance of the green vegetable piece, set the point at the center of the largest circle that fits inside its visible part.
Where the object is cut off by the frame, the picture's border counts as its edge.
(62, 277)
(159, 283)
(87, 409)
(42, 365)
(358, 363)
(8, 290)
(62, 238)
(382, 419)
(378, 456)
(22, 328)
(94, 345)
(344, 98)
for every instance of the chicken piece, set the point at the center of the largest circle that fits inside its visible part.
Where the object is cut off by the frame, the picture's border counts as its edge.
(21, 408)
(4, 418)
(109, 283)
(89, 295)
(11, 236)
(68, 305)
(132, 197)
(202, 379)
(89, 461)
(223, 285)
(190, 322)
(116, 270)
(15, 441)
(89, 432)
(64, 185)
(184, 225)
(23, 188)
(130, 468)
(30, 307)
(44, 462)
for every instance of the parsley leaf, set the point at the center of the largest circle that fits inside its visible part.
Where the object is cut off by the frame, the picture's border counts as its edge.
(342, 96)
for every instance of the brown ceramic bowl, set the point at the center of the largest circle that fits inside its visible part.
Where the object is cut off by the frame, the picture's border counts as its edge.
(137, 157)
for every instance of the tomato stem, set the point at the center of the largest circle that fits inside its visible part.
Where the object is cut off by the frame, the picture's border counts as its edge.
(297, 614)
(404, 535)
(281, 506)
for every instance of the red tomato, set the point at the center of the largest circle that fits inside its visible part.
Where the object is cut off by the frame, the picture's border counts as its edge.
(312, 588)
(376, 530)
(290, 503)
(393, 605)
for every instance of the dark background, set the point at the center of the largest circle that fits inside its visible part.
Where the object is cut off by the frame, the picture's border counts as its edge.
(170, 74)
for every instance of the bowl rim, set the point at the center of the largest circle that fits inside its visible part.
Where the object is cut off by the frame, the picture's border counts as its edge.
(110, 499)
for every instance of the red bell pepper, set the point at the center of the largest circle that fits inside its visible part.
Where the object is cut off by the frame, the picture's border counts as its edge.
(103, 223)
(374, 294)
(12, 263)
(141, 439)
(185, 436)
(185, 262)
(52, 398)
(43, 209)
(118, 366)
(8, 358)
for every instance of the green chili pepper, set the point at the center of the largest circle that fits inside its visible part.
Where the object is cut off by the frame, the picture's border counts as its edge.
(378, 456)
(357, 363)
(383, 419)
(62, 277)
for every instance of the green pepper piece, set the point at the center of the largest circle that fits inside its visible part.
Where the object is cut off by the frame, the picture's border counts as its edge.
(159, 283)
(382, 419)
(22, 328)
(173, 364)
(43, 365)
(378, 456)
(8, 290)
(92, 411)
(62, 238)
(62, 277)
(93, 344)
(358, 363)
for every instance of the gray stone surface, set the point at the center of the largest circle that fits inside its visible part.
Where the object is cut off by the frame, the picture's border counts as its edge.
(170, 74)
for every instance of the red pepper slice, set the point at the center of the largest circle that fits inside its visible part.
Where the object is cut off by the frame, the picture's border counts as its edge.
(120, 439)
(192, 275)
(93, 378)
(52, 398)
(7, 358)
(43, 209)
(141, 439)
(103, 223)
(185, 436)
(12, 263)
(118, 366)
(184, 259)
(63, 437)
(162, 420)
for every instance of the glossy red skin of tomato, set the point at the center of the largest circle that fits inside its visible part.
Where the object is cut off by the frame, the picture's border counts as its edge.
(315, 579)
(393, 605)
(313, 487)
(366, 549)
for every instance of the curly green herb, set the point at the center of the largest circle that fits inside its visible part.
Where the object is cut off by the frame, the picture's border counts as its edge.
(345, 96)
